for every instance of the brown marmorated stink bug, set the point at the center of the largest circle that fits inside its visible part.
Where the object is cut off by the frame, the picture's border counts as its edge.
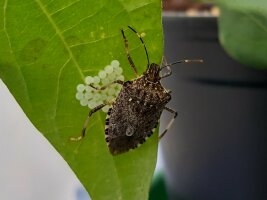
(136, 111)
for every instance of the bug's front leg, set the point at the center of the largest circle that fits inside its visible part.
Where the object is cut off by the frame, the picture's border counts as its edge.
(105, 86)
(169, 72)
(179, 61)
(97, 108)
(170, 123)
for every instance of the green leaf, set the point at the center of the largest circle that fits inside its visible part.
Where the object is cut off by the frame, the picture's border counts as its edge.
(243, 31)
(47, 48)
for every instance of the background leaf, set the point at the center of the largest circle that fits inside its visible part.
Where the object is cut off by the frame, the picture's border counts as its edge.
(47, 48)
(243, 31)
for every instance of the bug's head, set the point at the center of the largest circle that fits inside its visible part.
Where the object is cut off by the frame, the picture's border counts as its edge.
(152, 73)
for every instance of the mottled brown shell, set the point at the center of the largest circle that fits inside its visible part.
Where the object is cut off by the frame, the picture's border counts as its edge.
(135, 113)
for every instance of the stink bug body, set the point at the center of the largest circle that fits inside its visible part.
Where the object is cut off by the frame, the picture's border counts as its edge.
(137, 109)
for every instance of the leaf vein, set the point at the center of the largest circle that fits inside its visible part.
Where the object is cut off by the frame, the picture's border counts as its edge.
(81, 20)
(142, 6)
(64, 7)
(93, 41)
(58, 32)
(256, 21)
(4, 26)
(57, 86)
(12, 52)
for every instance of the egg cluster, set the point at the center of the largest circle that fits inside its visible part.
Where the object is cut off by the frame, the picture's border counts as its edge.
(91, 97)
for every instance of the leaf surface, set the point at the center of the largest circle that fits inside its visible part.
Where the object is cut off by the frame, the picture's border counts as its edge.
(47, 48)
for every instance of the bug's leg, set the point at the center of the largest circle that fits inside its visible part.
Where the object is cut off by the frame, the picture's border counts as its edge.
(87, 121)
(179, 61)
(164, 61)
(170, 123)
(169, 72)
(148, 63)
(128, 54)
(105, 86)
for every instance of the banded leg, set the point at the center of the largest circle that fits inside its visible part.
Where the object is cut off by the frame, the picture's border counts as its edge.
(169, 72)
(170, 123)
(105, 86)
(87, 121)
(179, 61)
(128, 54)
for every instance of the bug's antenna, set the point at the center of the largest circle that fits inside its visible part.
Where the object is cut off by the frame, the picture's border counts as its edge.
(148, 63)
(183, 61)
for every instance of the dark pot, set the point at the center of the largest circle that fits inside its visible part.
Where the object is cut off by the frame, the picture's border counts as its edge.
(217, 147)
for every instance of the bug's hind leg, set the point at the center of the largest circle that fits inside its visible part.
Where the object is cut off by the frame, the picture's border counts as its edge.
(170, 123)
(87, 121)
(128, 54)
